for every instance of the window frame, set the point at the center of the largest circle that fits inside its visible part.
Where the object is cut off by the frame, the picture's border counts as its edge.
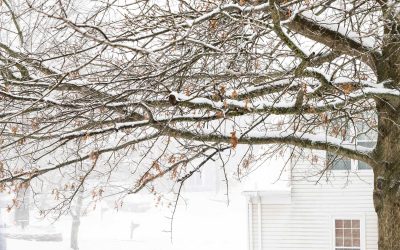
(330, 167)
(358, 138)
(359, 217)
(358, 162)
(353, 163)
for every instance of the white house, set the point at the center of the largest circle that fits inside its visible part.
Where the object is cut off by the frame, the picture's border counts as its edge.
(333, 210)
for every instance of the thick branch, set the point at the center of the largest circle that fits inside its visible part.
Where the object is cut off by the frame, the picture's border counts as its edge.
(305, 140)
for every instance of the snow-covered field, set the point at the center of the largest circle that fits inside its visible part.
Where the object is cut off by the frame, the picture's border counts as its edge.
(203, 221)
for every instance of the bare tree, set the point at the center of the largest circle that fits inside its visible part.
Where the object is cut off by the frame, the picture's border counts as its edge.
(87, 85)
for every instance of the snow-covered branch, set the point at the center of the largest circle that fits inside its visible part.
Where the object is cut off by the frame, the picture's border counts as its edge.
(300, 139)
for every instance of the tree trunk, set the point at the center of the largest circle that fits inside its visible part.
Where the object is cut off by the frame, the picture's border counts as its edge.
(387, 174)
(389, 223)
(74, 231)
(76, 221)
(21, 215)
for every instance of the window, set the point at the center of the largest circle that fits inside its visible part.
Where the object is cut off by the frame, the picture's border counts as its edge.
(339, 128)
(337, 162)
(366, 137)
(369, 144)
(363, 134)
(347, 234)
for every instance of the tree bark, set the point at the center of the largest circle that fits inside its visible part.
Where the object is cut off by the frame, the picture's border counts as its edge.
(387, 175)
(389, 222)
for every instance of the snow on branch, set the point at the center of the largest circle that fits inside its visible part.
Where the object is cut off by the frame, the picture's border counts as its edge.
(368, 43)
(285, 107)
(225, 7)
(301, 139)
(334, 36)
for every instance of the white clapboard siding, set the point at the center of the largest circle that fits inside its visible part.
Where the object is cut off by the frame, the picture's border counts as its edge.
(307, 222)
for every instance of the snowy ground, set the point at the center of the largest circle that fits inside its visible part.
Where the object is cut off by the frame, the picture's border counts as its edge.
(204, 221)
